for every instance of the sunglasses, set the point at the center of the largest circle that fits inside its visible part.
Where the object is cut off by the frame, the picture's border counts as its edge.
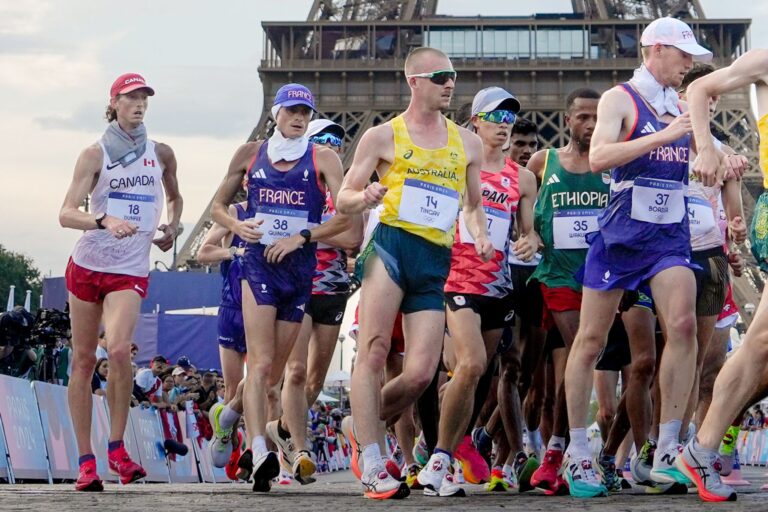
(326, 138)
(498, 116)
(437, 77)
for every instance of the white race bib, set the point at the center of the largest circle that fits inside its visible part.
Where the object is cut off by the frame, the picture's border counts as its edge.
(570, 228)
(498, 228)
(427, 204)
(280, 223)
(701, 216)
(138, 209)
(658, 201)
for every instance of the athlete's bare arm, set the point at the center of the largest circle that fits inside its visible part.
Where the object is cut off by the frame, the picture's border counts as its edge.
(529, 241)
(215, 247)
(173, 200)
(615, 118)
(330, 170)
(86, 175)
(752, 67)
(247, 229)
(474, 215)
(346, 232)
(375, 152)
(537, 164)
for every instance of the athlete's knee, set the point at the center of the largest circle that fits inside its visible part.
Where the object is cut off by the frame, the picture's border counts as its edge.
(374, 355)
(511, 374)
(471, 368)
(84, 365)
(119, 353)
(643, 369)
(416, 381)
(296, 373)
(682, 329)
(259, 371)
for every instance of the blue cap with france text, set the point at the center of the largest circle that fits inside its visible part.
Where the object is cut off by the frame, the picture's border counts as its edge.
(294, 94)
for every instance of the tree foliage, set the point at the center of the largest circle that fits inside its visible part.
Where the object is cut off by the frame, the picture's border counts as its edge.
(19, 270)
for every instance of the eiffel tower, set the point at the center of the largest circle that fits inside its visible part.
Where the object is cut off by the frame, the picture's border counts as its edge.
(350, 53)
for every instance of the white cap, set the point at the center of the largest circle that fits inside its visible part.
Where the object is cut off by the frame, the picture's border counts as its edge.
(673, 32)
(492, 98)
(325, 125)
(145, 379)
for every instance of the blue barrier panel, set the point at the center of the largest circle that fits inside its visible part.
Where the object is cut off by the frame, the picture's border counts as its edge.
(58, 430)
(149, 443)
(100, 436)
(23, 431)
(5, 472)
(184, 469)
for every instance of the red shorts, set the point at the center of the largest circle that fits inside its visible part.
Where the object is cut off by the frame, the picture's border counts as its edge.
(558, 299)
(398, 338)
(93, 286)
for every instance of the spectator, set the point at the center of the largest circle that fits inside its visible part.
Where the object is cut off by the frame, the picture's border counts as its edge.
(184, 363)
(64, 362)
(208, 395)
(134, 351)
(101, 347)
(145, 385)
(158, 365)
(99, 381)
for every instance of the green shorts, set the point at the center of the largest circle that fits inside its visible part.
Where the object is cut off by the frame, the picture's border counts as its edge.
(415, 264)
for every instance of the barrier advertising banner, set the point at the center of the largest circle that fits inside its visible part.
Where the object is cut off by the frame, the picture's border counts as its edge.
(149, 443)
(4, 471)
(58, 430)
(23, 431)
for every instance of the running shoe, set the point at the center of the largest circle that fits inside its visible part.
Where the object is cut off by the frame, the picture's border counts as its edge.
(393, 469)
(266, 466)
(436, 478)
(497, 482)
(610, 477)
(483, 443)
(282, 440)
(356, 463)
(727, 449)
(421, 451)
(664, 468)
(641, 465)
(702, 466)
(120, 464)
(411, 477)
(582, 480)
(304, 468)
(231, 468)
(475, 468)
(245, 465)
(379, 485)
(545, 477)
(524, 467)
(88, 480)
(284, 478)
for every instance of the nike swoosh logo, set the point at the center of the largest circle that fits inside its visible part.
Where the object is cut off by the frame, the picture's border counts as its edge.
(112, 166)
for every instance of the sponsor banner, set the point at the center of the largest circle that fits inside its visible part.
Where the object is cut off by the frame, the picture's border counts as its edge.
(183, 469)
(149, 443)
(23, 431)
(4, 468)
(58, 429)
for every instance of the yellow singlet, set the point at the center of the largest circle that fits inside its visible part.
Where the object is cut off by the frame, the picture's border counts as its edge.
(425, 185)
(762, 130)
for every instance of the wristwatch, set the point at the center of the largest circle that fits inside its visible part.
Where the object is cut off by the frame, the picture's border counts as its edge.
(307, 234)
(99, 219)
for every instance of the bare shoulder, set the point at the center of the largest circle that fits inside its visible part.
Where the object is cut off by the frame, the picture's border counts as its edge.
(382, 133)
(527, 177)
(164, 153)
(472, 143)
(536, 162)
(246, 153)
(327, 158)
(616, 98)
(92, 154)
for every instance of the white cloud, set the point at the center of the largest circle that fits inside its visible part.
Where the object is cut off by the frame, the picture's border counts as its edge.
(23, 16)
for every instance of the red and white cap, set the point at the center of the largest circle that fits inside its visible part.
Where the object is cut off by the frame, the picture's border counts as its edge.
(129, 82)
(673, 32)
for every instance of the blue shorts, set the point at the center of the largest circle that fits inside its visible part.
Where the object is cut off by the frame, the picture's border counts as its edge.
(626, 269)
(287, 289)
(231, 330)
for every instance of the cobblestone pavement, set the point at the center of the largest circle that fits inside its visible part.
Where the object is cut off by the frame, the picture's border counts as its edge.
(340, 493)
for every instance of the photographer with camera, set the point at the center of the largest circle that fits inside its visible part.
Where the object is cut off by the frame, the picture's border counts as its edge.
(16, 355)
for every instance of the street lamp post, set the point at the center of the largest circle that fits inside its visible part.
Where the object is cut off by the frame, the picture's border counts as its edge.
(341, 351)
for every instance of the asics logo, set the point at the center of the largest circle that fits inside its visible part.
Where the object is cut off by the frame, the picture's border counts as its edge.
(437, 466)
(408, 154)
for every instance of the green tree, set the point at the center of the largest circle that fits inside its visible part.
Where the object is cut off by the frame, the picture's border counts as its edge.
(19, 270)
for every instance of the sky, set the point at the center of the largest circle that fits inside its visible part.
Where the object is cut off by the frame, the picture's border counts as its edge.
(58, 59)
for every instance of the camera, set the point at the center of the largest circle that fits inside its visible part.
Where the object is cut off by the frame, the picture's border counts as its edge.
(49, 327)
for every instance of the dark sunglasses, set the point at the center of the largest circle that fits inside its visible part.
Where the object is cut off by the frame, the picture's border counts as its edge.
(437, 77)
(326, 138)
(498, 116)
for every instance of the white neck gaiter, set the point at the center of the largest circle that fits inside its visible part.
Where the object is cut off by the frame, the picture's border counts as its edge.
(664, 100)
(281, 148)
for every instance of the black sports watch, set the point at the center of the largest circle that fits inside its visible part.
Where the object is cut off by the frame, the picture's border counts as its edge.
(307, 234)
(99, 219)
